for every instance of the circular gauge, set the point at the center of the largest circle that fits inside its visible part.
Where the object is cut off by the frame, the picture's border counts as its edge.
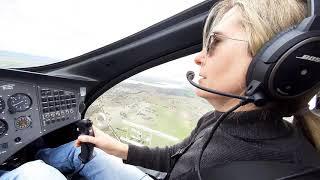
(2, 105)
(19, 102)
(3, 127)
(22, 122)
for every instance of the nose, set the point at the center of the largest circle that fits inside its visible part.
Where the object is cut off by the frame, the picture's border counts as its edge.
(200, 58)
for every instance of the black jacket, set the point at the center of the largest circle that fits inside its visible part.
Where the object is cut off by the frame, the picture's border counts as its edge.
(244, 136)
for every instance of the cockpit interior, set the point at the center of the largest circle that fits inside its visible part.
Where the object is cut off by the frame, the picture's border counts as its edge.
(40, 105)
(43, 103)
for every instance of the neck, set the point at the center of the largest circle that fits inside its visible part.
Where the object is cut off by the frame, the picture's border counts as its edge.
(226, 104)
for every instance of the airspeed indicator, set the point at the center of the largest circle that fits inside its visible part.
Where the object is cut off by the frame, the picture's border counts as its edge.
(19, 102)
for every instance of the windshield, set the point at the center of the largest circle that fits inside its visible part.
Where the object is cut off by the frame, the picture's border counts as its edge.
(40, 32)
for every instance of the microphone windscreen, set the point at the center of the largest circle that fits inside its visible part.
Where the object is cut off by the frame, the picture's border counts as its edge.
(190, 75)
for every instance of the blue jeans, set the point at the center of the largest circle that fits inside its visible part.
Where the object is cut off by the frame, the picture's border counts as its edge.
(64, 159)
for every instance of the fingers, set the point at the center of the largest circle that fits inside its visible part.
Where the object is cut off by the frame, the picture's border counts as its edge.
(85, 138)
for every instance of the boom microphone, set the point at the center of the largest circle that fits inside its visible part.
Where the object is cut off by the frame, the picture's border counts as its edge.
(190, 76)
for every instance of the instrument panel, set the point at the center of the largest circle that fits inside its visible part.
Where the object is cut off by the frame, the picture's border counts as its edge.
(30, 110)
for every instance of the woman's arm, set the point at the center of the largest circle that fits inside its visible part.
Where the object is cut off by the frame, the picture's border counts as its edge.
(152, 158)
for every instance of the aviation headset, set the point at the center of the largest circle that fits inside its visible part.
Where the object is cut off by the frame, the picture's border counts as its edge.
(288, 66)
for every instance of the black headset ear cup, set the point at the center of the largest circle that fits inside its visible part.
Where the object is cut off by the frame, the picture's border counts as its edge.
(257, 57)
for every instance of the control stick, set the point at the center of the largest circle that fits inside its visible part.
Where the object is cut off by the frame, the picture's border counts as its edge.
(85, 128)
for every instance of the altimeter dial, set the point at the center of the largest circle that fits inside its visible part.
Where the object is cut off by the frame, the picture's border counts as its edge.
(19, 102)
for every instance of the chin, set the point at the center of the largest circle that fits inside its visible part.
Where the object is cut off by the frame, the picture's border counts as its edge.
(205, 95)
(199, 92)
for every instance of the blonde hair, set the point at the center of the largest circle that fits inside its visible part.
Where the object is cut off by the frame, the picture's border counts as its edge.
(262, 20)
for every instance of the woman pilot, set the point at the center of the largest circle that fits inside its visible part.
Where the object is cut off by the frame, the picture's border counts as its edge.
(234, 32)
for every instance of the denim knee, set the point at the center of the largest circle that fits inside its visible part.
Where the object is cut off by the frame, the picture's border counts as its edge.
(34, 170)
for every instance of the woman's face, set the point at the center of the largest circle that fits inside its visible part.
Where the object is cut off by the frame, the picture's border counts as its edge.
(224, 67)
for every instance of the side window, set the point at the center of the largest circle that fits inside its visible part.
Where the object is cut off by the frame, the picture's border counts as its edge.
(315, 104)
(318, 101)
(156, 107)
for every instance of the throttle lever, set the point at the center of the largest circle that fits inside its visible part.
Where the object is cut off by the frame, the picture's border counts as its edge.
(85, 128)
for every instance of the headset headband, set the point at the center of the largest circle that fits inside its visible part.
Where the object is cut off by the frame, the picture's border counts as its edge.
(288, 66)
(312, 22)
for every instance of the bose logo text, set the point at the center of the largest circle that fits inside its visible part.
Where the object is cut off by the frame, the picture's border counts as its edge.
(310, 58)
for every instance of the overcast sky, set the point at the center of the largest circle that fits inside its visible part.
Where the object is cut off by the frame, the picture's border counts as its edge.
(66, 28)
(62, 29)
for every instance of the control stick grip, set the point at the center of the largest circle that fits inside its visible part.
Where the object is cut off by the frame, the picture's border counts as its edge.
(85, 128)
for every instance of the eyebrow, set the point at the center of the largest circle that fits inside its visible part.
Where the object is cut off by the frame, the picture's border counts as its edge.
(218, 32)
(223, 35)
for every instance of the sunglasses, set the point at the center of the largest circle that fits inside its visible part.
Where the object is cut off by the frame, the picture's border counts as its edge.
(214, 38)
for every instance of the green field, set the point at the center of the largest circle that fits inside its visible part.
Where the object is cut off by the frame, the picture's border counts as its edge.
(169, 112)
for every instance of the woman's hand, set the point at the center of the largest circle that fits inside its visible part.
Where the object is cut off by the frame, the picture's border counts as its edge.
(106, 143)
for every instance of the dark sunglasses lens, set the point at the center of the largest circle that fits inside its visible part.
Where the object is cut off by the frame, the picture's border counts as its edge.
(211, 42)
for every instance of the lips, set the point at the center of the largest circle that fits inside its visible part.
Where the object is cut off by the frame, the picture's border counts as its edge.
(203, 77)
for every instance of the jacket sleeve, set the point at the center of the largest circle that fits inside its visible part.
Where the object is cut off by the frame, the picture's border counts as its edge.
(158, 159)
